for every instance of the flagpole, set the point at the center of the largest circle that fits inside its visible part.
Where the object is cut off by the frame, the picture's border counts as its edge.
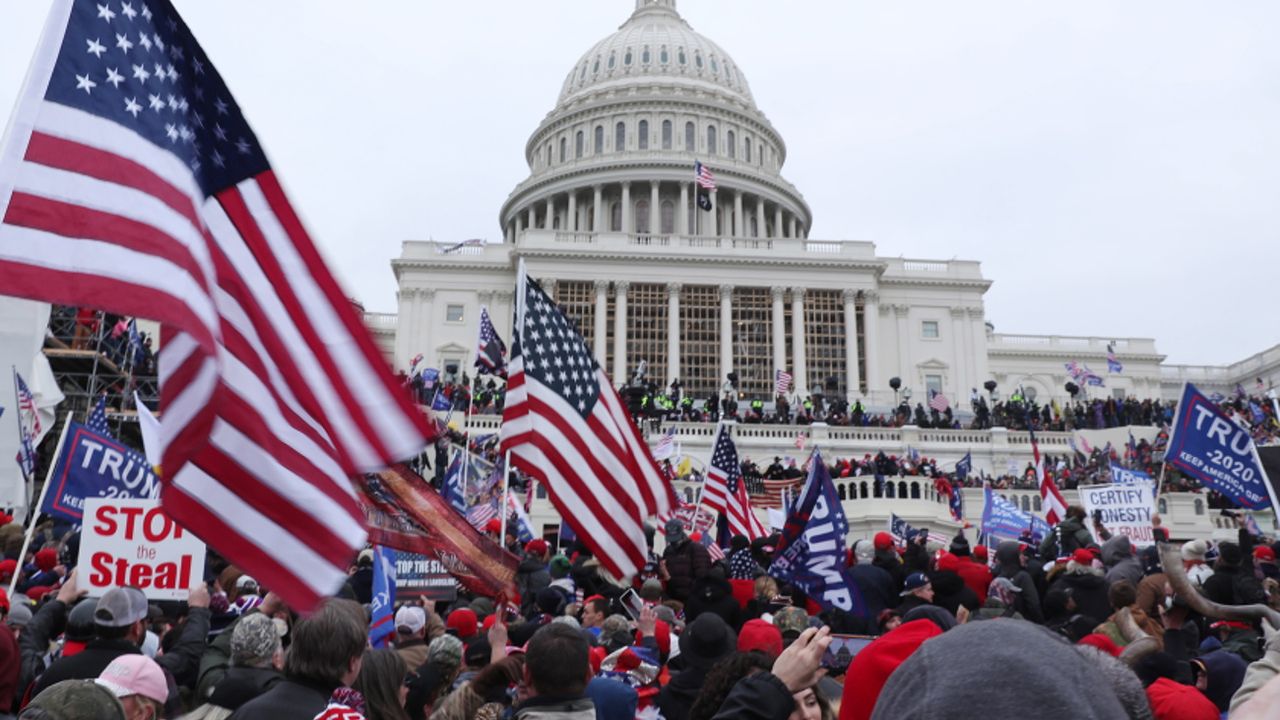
(521, 280)
(35, 515)
(17, 416)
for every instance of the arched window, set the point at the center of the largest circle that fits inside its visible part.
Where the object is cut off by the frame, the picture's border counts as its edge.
(578, 146)
(626, 59)
(760, 157)
(862, 490)
(642, 135)
(711, 140)
(1162, 506)
(642, 216)
(613, 60)
(690, 143)
(620, 137)
(1026, 504)
(746, 148)
(663, 57)
(668, 217)
(1199, 506)
(583, 75)
(902, 489)
(755, 227)
(732, 145)
(644, 56)
(666, 134)
(599, 144)
(564, 149)
(915, 486)
(841, 492)
(615, 217)
(715, 66)
(888, 489)
(1036, 503)
(697, 59)
(680, 56)
(595, 67)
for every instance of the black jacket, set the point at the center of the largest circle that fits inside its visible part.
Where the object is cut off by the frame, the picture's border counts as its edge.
(713, 595)
(241, 684)
(677, 697)
(1090, 593)
(876, 585)
(686, 562)
(287, 700)
(757, 697)
(531, 576)
(950, 592)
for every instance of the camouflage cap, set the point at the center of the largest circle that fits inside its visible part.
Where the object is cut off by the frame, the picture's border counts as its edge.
(445, 650)
(74, 700)
(791, 621)
(253, 640)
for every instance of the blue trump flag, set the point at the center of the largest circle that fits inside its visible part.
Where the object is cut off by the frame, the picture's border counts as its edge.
(1002, 519)
(811, 553)
(1207, 445)
(964, 467)
(900, 529)
(94, 465)
(382, 623)
(1123, 475)
(454, 491)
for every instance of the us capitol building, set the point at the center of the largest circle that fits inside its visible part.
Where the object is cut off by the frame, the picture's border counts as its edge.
(608, 222)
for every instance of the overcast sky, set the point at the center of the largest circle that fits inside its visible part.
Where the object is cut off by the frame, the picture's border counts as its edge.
(1114, 166)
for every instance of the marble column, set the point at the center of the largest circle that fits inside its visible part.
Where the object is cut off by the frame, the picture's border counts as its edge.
(793, 227)
(620, 332)
(978, 350)
(597, 209)
(851, 369)
(511, 233)
(779, 329)
(627, 211)
(777, 221)
(959, 345)
(711, 228)
(871, 336)
(571, 222)
(673, 331)
(800, 369)
(761, 230)
(548, 222)
(739, 227)
(682, 214)
(905, 371)
(726, 332)
(655, 214)
(601, 326)
(404, 301)
(532, 222)
(519, 224)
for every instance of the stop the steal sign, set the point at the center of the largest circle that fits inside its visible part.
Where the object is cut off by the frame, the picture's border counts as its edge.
(133, 542)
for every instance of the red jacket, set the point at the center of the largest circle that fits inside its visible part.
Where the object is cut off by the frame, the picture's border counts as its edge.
(976, 576)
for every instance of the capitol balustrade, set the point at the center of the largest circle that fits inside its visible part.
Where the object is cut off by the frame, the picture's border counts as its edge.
(640, 242)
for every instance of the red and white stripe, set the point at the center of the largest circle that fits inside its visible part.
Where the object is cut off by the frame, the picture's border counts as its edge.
(1055, 507)
(273, 392)
(597, 470)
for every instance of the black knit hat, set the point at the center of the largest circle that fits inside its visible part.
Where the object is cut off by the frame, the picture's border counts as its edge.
(960, 545)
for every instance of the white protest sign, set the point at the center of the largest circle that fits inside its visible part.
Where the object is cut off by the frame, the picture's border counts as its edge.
(134, 542)
(1124, 509)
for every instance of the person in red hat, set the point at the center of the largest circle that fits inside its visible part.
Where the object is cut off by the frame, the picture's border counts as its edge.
(463, 623)
(532, 575)
(1171, 700)
(887, 558)
(1087, 584)
(1265, 558)
(760, 635)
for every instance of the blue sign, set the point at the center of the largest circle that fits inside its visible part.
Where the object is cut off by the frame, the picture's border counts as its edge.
(1002, 519)
(1209, 446)
(382, 606)
(812, 551)
(1123, 475)
(93, 465)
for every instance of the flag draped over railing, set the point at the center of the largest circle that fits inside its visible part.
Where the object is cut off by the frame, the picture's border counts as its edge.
(132, 182)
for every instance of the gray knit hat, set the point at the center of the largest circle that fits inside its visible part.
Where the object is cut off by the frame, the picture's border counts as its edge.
(253, 640)
(75, 700)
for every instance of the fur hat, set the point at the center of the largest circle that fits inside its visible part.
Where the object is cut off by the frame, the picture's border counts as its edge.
(1195, 550)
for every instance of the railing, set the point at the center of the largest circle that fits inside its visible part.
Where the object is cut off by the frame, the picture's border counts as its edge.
(538, 237)
(384, 322)
(1096, 345)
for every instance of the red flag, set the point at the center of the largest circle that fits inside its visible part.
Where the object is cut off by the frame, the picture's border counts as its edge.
(149, 195)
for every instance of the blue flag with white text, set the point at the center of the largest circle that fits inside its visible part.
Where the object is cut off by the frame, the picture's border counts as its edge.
(1123, 475)
(811, 554)
(1206, 444)
(92, 465)
(1006, 521)
(382, 623)
(900, 529)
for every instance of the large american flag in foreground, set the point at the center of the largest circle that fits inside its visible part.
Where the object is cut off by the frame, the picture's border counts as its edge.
(131, 182)
(565, 425)
(725, 491)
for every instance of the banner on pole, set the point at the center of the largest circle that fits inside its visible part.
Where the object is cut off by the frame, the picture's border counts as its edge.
(134, 542)
(95, 466)
(1124, 509)
(1207, 445)
(1004, 520)
(1124, 476)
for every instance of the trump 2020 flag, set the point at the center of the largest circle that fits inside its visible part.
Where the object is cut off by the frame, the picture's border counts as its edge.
(811, 553)
(131, 182)
(382, 619)
(1207, 445)
(1004, 520)
(93, 465)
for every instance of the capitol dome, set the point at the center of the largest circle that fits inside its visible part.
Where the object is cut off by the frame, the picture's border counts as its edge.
(635, 113)
(656, 43)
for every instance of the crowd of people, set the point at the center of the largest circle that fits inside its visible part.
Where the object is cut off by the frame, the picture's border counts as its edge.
(109, 334)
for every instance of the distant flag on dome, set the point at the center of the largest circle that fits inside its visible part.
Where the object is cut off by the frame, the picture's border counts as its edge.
(1113, 365)
(491, 352)
(706, 182)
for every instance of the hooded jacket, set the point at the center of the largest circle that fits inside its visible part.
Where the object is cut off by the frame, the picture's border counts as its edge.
(531, 576)
(876, 585)
(1120, 561)
(1009, 565)
(976, 576)
(686, 561)
(1089, 589)
(950, 592)
(713, 595)
(1068, 536)
(1041, 676)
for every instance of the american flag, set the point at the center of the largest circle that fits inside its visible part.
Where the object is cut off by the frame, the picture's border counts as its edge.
(938, 401)
(491, 352)
(1055, 507)
(781, 382)
(29, 427)
(724, 490)
(565, 425)
(480, 515)
(702, 175)
(132, 182)
(1113, 364)
(666, 446)
(774, 490)
(97, 420)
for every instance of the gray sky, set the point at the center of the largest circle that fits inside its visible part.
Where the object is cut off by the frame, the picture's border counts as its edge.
(1113, 165)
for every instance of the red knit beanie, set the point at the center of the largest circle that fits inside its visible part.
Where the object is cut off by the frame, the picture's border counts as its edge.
(883, 541)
